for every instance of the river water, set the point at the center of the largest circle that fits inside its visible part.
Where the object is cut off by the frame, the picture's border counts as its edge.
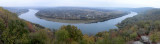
(91, 28)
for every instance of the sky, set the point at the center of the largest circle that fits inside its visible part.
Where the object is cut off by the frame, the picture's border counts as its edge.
(81, 3)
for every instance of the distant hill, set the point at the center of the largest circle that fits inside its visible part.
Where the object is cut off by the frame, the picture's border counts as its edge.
(142, 9)
(17, 10)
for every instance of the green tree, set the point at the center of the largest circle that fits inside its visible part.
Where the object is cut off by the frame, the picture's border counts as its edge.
(155, 36)
(15, 33)
(73, 31)
(40, 37)
(2, 26)
(62, 36)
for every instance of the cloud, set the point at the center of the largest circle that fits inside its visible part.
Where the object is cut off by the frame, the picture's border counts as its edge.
(83, 3)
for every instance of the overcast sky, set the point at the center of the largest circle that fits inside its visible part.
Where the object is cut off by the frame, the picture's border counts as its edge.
(80, 3)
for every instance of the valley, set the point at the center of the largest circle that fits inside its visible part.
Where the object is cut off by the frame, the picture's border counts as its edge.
(141, 26)
(79, 22)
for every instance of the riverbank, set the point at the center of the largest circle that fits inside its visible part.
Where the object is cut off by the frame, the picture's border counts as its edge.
(79, 21)
(66, 21)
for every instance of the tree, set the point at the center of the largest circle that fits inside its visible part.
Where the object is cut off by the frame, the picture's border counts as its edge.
(2, 26)
(133, 35)
(155, 36)
(40, 37)
(62, 36)
(15, 33)
(74, 32)
(87, 40)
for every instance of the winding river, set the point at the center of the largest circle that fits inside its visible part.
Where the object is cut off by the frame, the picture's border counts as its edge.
(92, 28)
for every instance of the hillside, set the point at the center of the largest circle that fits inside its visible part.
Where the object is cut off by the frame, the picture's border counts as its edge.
(146, 23)
(149, 15)
(78, 14)
(16, 31)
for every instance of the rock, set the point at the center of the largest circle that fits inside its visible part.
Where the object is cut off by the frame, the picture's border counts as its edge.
(137, 42)
(158, 43)
(145, 39)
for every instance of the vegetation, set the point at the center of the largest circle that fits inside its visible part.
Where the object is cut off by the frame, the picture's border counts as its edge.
(16, 31)
(147, 22)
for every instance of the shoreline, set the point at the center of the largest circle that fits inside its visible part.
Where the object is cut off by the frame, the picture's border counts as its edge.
(79, 21)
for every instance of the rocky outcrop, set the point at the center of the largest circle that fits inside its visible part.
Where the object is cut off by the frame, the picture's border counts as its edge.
(143, 40)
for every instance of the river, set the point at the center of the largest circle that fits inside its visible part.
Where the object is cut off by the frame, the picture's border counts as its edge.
(91, 28)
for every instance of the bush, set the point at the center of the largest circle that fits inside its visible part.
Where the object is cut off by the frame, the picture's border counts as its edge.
(40, 37)
(62, 35)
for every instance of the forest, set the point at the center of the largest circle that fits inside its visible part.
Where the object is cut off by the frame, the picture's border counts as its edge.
(17, 31)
